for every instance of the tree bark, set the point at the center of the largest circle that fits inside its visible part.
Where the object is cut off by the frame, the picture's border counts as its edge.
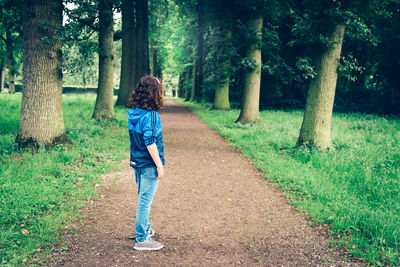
(198, 61)
(193, 92)
(10, 63)
(1, 74)
(155, 69)
(42, 121)
(188, 77)
(127, 81)
(142, 42)
(316, 127)
(221, 97)
(180, 84)
(104, 108)
(252, 78)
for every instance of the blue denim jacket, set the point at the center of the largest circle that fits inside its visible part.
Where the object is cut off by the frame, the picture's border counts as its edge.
(144, 130)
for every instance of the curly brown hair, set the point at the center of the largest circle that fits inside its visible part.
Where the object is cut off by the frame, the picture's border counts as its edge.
(147, 95)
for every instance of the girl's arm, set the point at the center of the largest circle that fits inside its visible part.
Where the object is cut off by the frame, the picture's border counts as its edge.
(156, 158)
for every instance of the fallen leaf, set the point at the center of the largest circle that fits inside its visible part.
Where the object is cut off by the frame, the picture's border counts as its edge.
(25, 232)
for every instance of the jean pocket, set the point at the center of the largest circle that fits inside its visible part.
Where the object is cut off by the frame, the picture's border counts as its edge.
(149, 173)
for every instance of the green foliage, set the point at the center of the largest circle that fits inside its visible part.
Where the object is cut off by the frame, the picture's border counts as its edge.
(355, 188)
(40, 191)
(177, 37)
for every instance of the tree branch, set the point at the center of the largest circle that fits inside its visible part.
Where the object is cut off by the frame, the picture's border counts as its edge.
(89, 22)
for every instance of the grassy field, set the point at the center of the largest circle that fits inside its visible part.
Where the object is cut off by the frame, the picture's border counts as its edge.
(40, 192)
(354, 189)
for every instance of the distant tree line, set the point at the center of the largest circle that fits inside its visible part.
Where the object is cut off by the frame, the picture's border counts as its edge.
(248, 54)
(319, 55)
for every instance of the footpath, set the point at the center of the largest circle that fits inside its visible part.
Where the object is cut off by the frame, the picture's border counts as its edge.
(212, 208)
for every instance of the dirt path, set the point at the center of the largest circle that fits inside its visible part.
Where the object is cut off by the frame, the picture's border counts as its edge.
(211, 209)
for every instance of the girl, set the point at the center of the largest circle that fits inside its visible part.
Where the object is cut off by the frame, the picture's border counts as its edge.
(147, 153)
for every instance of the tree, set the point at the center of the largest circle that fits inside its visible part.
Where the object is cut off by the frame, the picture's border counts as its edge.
(127, 81)
(104, 108)
(329, 18)
(2, 65)
(252, 80)
(221, 51)
(158, 14)
(316, 127)
(10, 62)
(80, 45)
(11, 25)
(142, 40)
(198, 59)
(42, 121)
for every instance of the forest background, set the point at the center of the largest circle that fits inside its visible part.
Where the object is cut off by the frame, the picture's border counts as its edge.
(247, 56)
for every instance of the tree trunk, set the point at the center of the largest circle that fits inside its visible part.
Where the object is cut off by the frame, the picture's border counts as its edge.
(188, 76)
(142, 42)
(155, 69)
(198, 61)
(221, 97)
(127, 81)
(104, 108)
(146, 58)
(10, 63)
(316, 126)
(42, 121)
(180, 84)
(252, 78)
(1, 74)
(193, 92)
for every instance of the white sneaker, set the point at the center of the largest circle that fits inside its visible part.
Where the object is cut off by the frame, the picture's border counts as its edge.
(148, 244)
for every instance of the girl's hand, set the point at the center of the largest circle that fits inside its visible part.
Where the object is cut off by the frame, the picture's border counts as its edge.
(160, 171)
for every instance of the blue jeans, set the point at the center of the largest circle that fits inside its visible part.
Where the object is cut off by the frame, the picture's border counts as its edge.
(147, 186)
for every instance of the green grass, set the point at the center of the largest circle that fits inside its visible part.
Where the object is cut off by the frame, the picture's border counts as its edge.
(40, 192)
(354, 189)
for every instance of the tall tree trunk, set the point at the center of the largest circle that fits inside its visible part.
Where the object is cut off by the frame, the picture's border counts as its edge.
(10, 63)
(142, 42)
(221, 97)
(1, 73)
(146, 63)
(180, 84)
(252, 78)
(198, 61)
(42, 121)
(316, 127)
(153, 59)
(155, 69)
(188, 77)
(104, 108)
(193, 92)
(127, 81)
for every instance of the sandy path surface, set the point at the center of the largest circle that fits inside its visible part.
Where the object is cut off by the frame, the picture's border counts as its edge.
(211, 209)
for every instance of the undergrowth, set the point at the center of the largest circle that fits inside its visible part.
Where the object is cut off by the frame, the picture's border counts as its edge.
(40, 191)
(355, 189)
